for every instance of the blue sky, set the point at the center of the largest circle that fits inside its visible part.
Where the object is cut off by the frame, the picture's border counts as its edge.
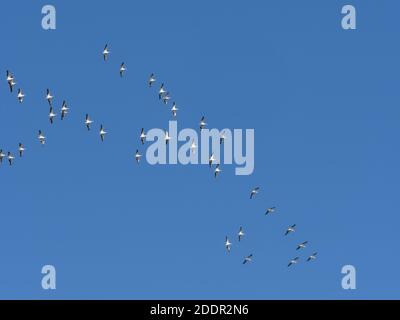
(324, 106)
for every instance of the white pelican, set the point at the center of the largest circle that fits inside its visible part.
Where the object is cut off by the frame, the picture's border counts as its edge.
(142, 136)
(174, 109)
(152, 79)
(312, 257)
(10, 158)
(51, 115)
(211, 160)
(193, 147)
(217, 170)
(302, 245)
(293, 261)
(202, 123)
(166, 97)
(21, 150)
(64, 110)
(10, 77)
(41, 137)
(102, 132)
(167, 137)
(122, 69)
(227, 244)
(20, 96)
(240, 234)
(88, 122)
(161, 91)
(254, 192)
(105, 52)
(290, 229)
(137, 156)
(270, 210)
(49, 97)
(10, 80)
(2, 155)
(248, 259)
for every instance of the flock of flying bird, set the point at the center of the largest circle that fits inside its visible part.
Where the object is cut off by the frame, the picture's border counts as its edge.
(165, 97)
(289, 230)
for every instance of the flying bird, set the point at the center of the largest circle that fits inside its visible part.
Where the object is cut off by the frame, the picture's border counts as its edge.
(105, 52)
(10, 158)
(51, 114)
(161, 92)
(217, 170)
(290, 229)
(166, 97)
(248, 259)
(88, 122)
(41, 137)
(64, 110)
(293, 261)
(270, 210)
(193, 147)
(21, 149)
(20, 96)
(211, 160)
(167, 137)
(174, 109)
(122, 69)
(227, 244)
(137, 156)
(142, 136)
(49, 97)
(302, 245)
(152, 79)
(2, 155)
(202, 123)
(10, 80)
(240, 234)
(102, 132)
(312, 257)
(254, 192)
(10, 77)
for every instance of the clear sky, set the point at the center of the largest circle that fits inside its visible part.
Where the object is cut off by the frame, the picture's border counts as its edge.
(324, 103)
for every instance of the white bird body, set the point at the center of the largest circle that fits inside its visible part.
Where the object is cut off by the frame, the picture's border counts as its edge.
(254, 192)
(240, 234)
(174, 109)
(20, 96)
(217, 170)
(142, 136)
(10, 158)
(137, 156)
(2, 155)
(49, 97)
(88, 121)
(227, 244)
(293, 261)
(193, 147)
(167, 137)
(122, 69)
(152, 79)
(202, 123)
(41, 137)
(106, 52)
(21, 149)
(102, 133)
(51, 115)
(211, 160)
(248, 259)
